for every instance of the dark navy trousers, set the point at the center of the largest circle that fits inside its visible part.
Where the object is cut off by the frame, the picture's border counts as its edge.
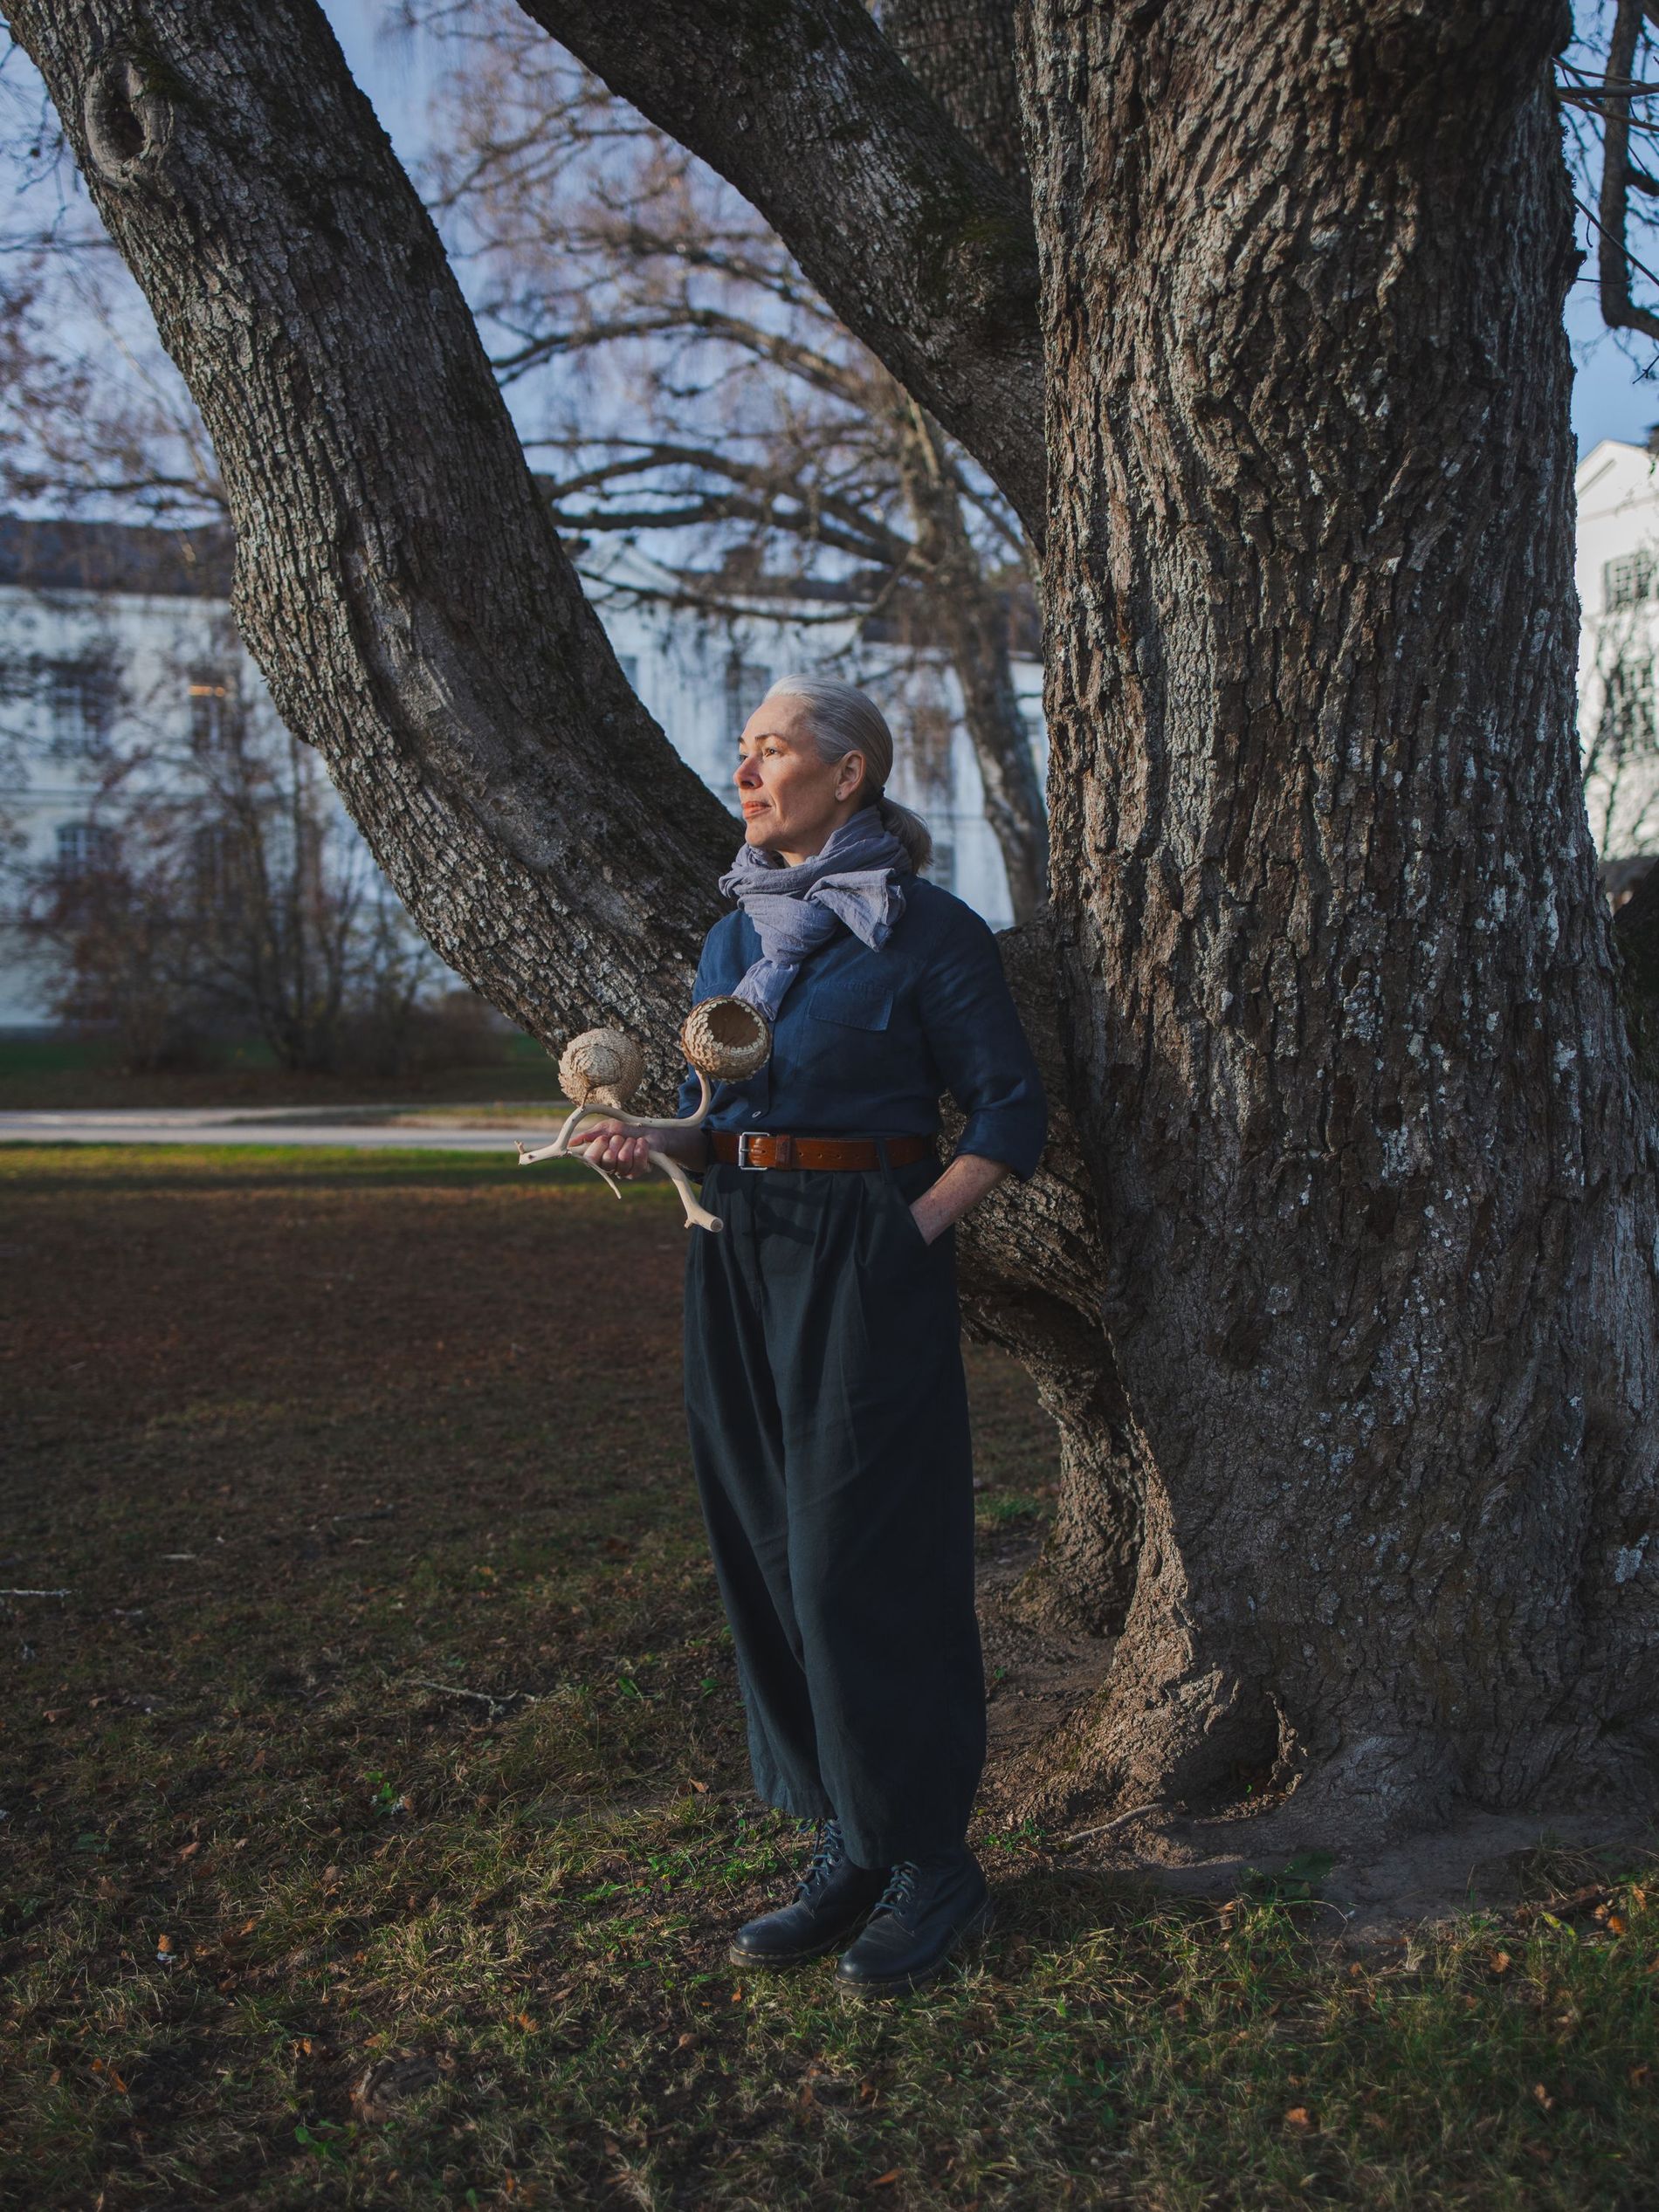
(828, 1423)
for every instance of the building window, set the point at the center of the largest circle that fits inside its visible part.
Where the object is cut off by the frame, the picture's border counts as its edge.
(747, 684)
(629, 664)
(83, 848)
(209, 710)
(80, 698)
(1628, 580)
(942, 868)
(1629, 727)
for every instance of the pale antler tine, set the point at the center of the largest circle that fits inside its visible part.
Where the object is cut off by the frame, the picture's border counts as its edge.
(561, 1146)
(697, 1215)
(529, 1155)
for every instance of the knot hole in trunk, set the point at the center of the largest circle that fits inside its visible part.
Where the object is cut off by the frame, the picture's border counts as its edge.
(129, 118)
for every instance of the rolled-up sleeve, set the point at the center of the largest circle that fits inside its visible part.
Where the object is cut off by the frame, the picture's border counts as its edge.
(973, 1031)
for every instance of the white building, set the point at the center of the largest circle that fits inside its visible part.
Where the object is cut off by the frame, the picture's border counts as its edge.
(1618, 580)
(112, 636)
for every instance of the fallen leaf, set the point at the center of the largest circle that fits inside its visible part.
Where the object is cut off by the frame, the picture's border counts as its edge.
(1615, 1926)
(1501, 1961)
(190, 1850)
(701, 1788)
(1638, 2075)
(523, 2020)
(1298, 2116)
(882, 2180)
(1543, 2096)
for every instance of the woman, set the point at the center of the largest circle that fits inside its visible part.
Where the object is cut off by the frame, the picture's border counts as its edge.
(823, 1376)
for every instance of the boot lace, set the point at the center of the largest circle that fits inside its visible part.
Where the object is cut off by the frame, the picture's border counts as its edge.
(901, 1892)
(828, 1851)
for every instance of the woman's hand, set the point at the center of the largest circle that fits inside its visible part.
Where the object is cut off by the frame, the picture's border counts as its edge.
(615, 1146)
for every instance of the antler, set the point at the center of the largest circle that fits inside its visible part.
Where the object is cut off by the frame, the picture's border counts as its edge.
(726, 1038)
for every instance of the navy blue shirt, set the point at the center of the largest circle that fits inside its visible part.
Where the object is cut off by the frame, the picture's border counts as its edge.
(865, 1041)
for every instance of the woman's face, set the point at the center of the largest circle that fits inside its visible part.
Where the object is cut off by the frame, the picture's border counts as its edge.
(792, 799)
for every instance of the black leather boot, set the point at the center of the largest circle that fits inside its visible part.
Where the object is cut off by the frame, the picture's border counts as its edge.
(928, 1908)
(830, 1905)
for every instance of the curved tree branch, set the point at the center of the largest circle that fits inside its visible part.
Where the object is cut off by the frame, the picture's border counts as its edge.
(1619, 310)
(963, 51)
(803, 106)
(398, 578)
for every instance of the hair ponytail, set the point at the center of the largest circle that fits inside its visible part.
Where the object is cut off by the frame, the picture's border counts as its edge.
(910, 829)
(844, 720)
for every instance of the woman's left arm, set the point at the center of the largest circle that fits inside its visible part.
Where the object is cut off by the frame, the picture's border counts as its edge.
(964, 1182)
(972, 1030)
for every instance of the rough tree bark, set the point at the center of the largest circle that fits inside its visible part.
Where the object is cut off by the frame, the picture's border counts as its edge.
(1340, 1011)
(1377, 1188)
(963, 52)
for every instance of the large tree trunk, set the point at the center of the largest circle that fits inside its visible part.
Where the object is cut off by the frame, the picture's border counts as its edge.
(1376, 1188)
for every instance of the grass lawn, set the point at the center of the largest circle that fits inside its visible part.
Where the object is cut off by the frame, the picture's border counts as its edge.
(376, 1810)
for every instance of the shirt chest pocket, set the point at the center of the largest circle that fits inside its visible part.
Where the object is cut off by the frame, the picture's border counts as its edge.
(849, 1006)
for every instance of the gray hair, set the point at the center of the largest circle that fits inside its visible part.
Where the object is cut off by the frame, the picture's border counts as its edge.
(844, 720)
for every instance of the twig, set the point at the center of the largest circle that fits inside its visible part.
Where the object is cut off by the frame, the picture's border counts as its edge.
(480, 1697)
(33, 1593)
(1106, 1827)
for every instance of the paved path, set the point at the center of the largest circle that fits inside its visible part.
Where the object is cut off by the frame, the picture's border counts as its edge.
(372, 1129)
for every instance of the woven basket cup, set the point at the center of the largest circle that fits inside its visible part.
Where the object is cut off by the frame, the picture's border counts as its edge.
(601, 1068)
(727, 1040)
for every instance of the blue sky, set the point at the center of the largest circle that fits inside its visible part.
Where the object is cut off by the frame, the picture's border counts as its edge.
(1611, 398)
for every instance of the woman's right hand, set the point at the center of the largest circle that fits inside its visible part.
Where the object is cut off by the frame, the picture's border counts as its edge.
(615, 1146)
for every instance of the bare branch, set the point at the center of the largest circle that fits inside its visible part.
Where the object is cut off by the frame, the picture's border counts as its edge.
(922, 250)
(1619, 310)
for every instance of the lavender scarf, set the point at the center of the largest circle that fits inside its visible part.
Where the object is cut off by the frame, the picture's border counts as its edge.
(855, 879)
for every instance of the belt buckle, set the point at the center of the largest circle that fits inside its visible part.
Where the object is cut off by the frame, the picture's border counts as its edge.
(745, 1138)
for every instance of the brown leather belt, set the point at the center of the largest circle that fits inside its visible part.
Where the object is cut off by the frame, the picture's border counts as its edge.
(753, 1149)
